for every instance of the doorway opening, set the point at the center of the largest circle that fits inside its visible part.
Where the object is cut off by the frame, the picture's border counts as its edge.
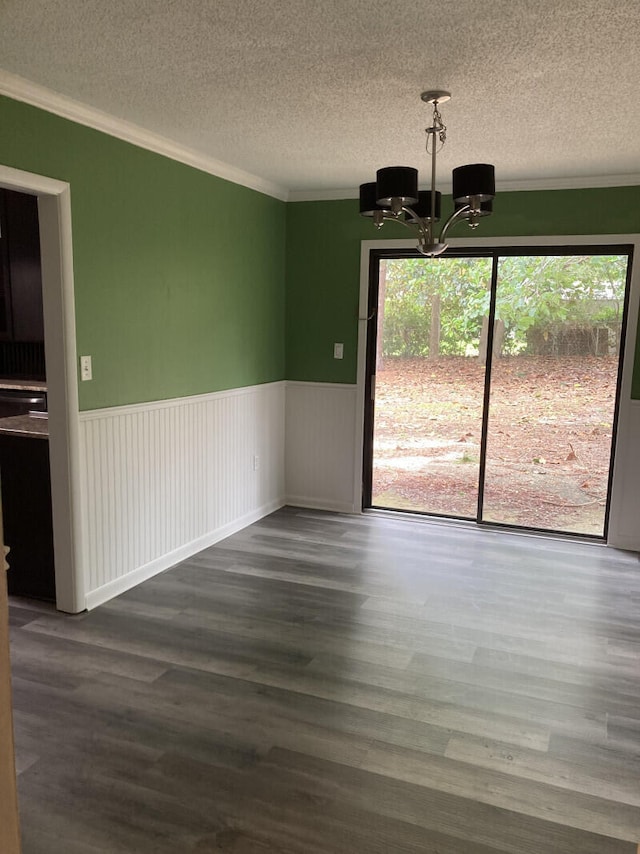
(494, 381)
(25, 483)
(54, 215)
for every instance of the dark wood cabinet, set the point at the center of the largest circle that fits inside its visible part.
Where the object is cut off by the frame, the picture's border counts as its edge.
(23, 250)
(6, 322)
(21, 309)
(28, 524)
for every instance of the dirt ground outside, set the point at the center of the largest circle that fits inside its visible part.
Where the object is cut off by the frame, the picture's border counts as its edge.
(549, 439)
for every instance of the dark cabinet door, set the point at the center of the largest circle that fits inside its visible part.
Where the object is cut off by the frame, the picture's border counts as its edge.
(6, 324)
(28, 522)
(21, 246)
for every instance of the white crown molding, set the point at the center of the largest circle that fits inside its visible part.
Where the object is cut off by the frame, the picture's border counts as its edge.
(578, 182)
(24, 90)
(322, 195)
(569, 183)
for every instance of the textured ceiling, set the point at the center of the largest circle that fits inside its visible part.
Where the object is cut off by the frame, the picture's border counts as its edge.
(317, 94)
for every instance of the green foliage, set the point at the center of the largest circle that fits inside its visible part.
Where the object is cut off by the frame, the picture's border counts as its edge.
(412, 284)
(535, 294)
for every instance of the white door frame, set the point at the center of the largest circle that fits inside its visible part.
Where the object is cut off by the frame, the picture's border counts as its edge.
(54, 212)
(624, 530)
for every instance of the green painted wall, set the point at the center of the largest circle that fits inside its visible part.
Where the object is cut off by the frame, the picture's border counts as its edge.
(323, 263)
(179, 276)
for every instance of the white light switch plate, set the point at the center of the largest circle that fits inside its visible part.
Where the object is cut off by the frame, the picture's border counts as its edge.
(338, 351)
(85, 368)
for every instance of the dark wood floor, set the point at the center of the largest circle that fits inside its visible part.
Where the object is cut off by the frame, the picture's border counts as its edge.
(321, 683)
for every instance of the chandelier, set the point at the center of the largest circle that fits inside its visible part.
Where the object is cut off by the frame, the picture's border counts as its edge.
(394, 195)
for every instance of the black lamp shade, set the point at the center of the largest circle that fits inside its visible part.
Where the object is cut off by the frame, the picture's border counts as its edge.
(423, 208)
(396, 182)
(486, 208)
(368, 199)
(476, 179)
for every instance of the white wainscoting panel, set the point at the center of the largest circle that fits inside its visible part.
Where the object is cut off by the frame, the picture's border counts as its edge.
(624, 524)
(319, 448)
(163, 480)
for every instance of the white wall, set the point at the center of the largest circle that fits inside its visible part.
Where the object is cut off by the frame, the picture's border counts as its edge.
(162, 480)
(624, 521)
(320, 466)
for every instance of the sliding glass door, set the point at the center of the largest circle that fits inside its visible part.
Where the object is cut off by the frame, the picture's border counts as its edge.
(429, 384)
(493, 385)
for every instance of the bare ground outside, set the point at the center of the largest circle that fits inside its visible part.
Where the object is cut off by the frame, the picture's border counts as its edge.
(549, 439)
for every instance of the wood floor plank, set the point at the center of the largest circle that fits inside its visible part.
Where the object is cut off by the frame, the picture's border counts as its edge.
(619, 785)
(605, 676)
(488, 691)
(433, 712)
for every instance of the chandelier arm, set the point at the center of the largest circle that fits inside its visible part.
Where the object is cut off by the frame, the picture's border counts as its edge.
(388, 217)
(456, 216)
(406, 224)
(423, 225)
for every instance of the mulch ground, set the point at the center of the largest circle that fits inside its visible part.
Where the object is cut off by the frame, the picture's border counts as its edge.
(549, 439)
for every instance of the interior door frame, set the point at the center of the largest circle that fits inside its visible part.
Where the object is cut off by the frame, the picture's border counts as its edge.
(620, 484)
(54, 214)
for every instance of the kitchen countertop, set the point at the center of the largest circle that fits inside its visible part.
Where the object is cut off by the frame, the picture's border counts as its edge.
(25, 425)
(23, 385)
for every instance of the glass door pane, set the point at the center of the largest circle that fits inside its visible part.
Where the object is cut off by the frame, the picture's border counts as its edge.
(429, 387)
(556, 352)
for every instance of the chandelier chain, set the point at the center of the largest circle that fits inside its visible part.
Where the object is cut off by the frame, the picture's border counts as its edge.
(438, 128)
(438, 123)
